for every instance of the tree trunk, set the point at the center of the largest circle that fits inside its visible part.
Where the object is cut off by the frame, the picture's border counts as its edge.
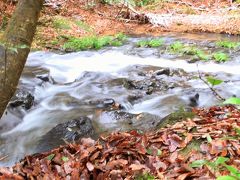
(15, 46)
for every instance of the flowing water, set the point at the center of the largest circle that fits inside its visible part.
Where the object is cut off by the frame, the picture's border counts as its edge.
(147, 83)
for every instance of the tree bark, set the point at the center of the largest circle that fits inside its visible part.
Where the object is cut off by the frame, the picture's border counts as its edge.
(15, 46)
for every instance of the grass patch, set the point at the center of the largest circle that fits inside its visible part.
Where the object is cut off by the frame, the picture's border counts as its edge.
(93, 42)
(141, 3)
(220, 57)
(150, 43)
(61, 23)
(228, 44)
(83, 26)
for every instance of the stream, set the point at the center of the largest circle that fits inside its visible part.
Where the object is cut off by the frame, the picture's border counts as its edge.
(63, 97)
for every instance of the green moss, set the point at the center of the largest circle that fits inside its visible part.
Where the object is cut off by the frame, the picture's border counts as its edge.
(193, 145)
(228, 44)
(175, 117)
(61, 23)
(150, 43)
(93, 42)
(220, 57)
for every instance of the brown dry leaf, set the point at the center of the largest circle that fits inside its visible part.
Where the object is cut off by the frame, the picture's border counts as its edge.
(75, 174)
(141, 148)
(67, 167)
(4, 170)
(173, 145)
(60, 170)
(90, 166)
(156, 140)
(188, 138)
(88, 142)
(159, 166)
(84, 155)
(120, 162)
(184, 176)
(218, 146)
(94, 156)
(236, 146)
(173, 157)
(137, 167)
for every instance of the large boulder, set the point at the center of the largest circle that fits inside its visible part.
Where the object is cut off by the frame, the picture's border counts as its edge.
(70, 131)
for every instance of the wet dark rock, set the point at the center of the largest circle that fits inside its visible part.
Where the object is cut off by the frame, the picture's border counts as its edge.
(141, 74)
(193, 60)
(70, 131)
(128, 84)
(22, 98)
(45, 78)
(149, 90)
(104, 104)
(165, 71)
(134, 97)
(175, 117)
(172, 85)
(124, 121)
(193, 100)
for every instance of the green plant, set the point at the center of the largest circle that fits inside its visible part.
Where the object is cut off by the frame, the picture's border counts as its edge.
(150, 43)
(93, 42)
(141, 3)
(213, 81)
(121, 37)
(80, 43)
(190, 50)
(217, 165)
(176, 47)
(83, 26)
(61, 23)
(142, 43)
(202, 56)
(232, 100)
(109, 1)
(98, 43)
(220, 57)
(4, 22)
(227, 44)
(145, 176)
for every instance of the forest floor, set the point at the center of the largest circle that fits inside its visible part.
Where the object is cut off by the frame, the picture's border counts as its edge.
(63, 19)
(205, 147)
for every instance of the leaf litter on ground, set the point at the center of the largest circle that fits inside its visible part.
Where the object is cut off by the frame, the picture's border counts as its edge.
(159, 154)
